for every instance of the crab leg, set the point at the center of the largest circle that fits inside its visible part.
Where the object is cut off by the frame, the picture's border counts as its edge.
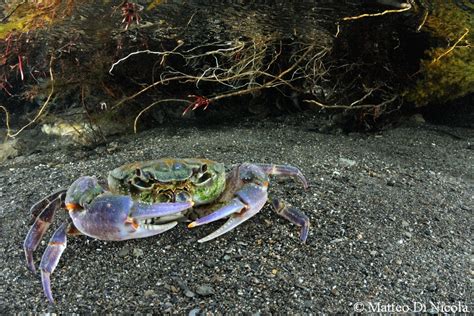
(293, 215)
(39, 206)
(41, 224)
(251, 198)
(51, 257)
(286, 171)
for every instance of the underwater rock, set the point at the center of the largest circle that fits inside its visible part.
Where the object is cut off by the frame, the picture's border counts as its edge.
(8, 150)
(81, 133)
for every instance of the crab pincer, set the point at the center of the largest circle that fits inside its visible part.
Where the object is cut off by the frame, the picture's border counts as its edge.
(119, 217)
(248, 201)
(252, 179)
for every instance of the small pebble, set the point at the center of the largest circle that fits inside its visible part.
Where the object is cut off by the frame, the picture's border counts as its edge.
(149, 293)
(432, 287)
(194, 311)
(407, 234)
(137, 252)
(416, 290)
(205, 290)
(112, 147)
(123, 252)
(373, 252)
(189, 294)
(346, 162)
(226, 258)
(405, 223)
(100, 150)
(308, 303)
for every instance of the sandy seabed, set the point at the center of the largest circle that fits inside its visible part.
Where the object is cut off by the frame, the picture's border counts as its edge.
(391, 217)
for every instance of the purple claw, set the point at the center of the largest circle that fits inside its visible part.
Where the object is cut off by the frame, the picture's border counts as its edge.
(143, 211)
(51, 257)
(118, 217)
(253, 197)
(231, 223)
(234, 206)
(148, 230)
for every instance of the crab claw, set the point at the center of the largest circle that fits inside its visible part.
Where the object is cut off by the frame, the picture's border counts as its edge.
(248, 201)
(252, 196)
(118, 217)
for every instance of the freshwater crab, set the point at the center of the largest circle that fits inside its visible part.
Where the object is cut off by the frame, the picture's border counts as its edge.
(148, 198)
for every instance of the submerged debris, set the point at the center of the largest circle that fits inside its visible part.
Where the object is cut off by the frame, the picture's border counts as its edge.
(81, 133)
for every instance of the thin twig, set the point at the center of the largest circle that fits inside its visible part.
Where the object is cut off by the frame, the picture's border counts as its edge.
(451, 48)
(43, 107)
(350, 107)
(147, 51)
(408, 7)
(12, 11)
(422, 22)
(152, 105)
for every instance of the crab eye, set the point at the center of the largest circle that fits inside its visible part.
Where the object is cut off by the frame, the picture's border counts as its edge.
(140, 184)
(204, 178)
(203, 168)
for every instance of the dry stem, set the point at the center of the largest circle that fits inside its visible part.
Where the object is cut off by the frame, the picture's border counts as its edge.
(452, 47)
(353, 105)
(406, 8)
(152, 105)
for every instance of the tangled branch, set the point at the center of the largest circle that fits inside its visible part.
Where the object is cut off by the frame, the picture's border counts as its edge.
(236, 67)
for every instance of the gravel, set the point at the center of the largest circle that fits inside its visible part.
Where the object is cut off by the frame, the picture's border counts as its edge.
(205, 290)
(391, 217)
